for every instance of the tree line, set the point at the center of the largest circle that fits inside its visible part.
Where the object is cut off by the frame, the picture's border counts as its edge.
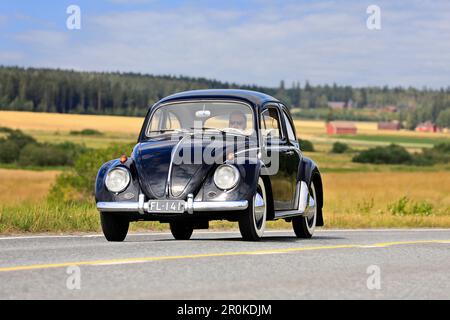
(67, 91)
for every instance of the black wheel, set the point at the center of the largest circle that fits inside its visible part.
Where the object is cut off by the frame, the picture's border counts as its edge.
(253, 223)
(304, 226)
(114, 226)
(181, 231)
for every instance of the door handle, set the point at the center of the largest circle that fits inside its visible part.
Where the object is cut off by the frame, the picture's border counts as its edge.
(290, 153)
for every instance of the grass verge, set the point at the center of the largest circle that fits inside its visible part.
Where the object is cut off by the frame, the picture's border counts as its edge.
(73, 218)
(352, 200)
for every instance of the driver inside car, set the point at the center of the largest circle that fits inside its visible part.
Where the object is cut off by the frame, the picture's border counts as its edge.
(238, 120)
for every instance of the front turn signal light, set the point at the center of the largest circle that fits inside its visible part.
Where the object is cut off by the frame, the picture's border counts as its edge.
(123, 159)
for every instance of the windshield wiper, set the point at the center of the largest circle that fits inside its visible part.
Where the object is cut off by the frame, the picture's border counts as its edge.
(162, 130)
(206, 128)
(166, 130)
(222, 131)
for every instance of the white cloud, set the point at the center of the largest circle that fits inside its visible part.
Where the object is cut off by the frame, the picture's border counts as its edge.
(43, 38)
(10, 57)
(131, 1)
(321, 42)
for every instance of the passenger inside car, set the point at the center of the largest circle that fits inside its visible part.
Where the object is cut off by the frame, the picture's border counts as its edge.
(238, 120)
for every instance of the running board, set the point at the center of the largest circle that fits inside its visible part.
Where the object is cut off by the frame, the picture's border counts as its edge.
(306, 204)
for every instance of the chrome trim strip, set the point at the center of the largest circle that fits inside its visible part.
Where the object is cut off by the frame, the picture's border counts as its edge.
(190, 206)
(141, 203)
(247, 150)
(286, 214)
(169, 174)
(190, 203)
(118, 206)
(220, 205)
(304, 195)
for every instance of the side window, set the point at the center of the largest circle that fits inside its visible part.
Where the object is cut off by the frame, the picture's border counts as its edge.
(164, 120)
(174, 123)
(270, 123)
(156, 121)
(289, 129)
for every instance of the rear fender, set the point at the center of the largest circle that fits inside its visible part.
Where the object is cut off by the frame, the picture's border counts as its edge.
(308, 171)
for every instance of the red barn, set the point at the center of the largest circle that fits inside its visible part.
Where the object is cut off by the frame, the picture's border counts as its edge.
(341, 127)
(427, 126)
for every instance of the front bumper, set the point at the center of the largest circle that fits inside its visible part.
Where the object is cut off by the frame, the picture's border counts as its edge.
(190, 206)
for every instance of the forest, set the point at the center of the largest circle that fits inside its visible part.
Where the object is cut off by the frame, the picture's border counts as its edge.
(68, 91)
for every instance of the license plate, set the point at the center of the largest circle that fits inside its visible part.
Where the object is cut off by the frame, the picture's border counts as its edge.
(166, 206)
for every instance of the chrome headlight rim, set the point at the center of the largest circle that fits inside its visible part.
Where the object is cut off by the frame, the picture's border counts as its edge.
(122, 187)
(235, 181)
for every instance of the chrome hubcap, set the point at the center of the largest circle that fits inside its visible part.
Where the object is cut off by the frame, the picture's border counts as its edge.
(311, 218)
(260, 207)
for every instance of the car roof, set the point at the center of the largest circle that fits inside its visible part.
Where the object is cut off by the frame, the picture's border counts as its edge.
(256, 98)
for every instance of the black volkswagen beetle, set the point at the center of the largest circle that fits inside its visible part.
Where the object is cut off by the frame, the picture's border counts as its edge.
(212, 155)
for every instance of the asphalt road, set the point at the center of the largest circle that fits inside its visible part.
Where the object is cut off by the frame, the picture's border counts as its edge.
(337, 264)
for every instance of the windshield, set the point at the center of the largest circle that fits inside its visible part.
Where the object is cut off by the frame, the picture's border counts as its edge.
(228, 117)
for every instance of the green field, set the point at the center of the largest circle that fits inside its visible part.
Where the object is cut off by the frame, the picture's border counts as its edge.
(407, 141)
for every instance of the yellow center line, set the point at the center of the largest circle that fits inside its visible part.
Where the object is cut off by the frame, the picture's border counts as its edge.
(218, 254)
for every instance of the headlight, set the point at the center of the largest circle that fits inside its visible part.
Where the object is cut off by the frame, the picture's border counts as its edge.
(226, 177)
(117, 179)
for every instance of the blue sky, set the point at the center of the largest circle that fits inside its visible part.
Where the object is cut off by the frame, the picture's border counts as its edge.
(248, 42)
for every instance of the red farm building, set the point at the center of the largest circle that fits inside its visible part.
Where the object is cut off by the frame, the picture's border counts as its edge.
(427, 126)
(341, 127)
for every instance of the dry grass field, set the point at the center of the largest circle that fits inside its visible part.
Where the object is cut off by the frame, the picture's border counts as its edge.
(366, 199)
(56, 122)
(352, 200)
(314, 127)
(356, 195)
(24, 185)
(53, 127)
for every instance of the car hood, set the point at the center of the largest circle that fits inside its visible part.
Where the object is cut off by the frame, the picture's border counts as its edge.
(174, 168)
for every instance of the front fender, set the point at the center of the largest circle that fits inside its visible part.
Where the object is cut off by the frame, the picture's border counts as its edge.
(131, 193)
(245, 190)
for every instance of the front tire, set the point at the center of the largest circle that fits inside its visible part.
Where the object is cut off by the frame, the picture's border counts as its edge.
(303, 226)
(253, 223)
(181, 231)
(114, 226)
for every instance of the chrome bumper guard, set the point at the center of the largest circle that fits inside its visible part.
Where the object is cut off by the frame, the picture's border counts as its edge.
(190, 206)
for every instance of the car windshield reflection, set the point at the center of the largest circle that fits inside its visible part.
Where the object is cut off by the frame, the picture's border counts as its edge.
(210, 117)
